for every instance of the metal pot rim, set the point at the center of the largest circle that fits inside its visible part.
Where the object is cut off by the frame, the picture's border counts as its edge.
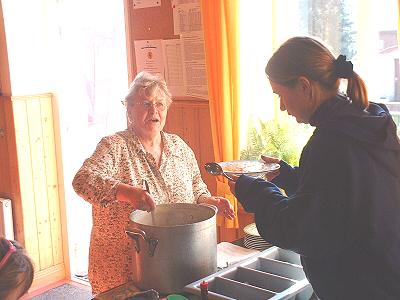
(191, 205)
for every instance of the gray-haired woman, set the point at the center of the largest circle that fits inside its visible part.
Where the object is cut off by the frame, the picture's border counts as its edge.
(111, 180)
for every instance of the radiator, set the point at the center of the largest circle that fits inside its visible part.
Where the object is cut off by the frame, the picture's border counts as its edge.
(6, 219)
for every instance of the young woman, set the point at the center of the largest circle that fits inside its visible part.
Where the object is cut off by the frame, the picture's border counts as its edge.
(342, 203)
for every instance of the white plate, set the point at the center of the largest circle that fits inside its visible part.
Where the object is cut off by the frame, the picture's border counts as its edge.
(238, 167)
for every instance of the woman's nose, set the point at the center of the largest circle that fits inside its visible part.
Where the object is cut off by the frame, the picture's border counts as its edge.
(282, 105)
(152, 108)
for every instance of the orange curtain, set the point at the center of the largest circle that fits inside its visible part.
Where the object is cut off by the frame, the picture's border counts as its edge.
(221, 38)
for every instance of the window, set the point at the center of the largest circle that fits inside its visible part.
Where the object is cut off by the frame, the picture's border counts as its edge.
(93, 80)
(363, 30)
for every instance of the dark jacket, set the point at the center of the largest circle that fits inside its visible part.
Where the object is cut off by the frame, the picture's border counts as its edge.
(342, 213)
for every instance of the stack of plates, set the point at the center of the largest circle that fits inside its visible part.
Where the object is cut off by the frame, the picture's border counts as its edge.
(253, 240)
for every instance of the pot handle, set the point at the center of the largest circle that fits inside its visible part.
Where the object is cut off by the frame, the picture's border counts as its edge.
(136, 233)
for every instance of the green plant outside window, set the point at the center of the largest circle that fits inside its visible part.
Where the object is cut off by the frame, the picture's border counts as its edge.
(284, 139)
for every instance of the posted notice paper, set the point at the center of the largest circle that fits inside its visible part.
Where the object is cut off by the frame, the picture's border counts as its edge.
(194, 64)
(149, 56)
(174, 67)
(187, 17)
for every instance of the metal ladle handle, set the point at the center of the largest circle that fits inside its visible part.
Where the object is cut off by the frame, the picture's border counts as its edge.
(227, 176)
(215, 169)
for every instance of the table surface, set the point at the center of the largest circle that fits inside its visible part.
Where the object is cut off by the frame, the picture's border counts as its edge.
(129, 289)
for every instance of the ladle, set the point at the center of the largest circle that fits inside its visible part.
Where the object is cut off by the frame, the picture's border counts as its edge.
(215, 169)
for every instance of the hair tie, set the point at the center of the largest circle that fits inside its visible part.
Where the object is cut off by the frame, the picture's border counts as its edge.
(343, 68)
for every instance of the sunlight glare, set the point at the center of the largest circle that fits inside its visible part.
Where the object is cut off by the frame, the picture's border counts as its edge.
(255, 50)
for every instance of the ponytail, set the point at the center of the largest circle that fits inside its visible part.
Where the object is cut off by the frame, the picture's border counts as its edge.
(356, 88)
(357, 91)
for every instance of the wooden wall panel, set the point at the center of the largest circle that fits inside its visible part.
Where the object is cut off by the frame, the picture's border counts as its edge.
(34, 125)
(190, 125)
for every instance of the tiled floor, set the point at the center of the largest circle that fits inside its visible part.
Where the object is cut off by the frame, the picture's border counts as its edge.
(66, 291)
(61, 290)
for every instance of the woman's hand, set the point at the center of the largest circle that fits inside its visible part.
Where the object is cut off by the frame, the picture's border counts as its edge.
(138, 197)
(270, 159)
(223, 205)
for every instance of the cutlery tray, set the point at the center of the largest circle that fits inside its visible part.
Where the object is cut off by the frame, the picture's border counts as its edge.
(273, 274)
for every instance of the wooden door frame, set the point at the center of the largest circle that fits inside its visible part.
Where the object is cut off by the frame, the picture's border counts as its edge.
(9, 183)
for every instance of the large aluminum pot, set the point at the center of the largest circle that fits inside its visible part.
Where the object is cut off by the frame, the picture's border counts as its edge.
(175, 245)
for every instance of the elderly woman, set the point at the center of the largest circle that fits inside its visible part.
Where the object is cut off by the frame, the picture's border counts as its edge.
(111, 180)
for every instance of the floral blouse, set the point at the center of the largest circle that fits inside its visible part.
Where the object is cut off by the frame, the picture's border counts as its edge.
(122, 158)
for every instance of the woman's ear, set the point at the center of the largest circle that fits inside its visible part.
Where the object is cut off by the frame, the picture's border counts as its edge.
(305, 86)
(307, 89)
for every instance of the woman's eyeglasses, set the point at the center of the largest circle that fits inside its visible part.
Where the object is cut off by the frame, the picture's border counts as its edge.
(146, 105)
(160, 106)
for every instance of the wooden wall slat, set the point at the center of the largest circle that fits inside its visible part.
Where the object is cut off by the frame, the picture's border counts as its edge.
(39, 182)
(174, 120)
(26, 179)
(51, 179)
(191, 113)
